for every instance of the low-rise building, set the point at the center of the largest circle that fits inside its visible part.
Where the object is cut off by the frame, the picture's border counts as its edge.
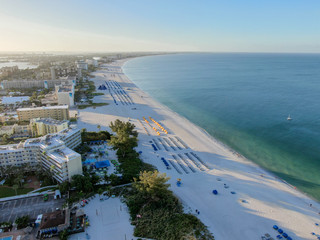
(54, 222)
(15, 130)
(43, 126)
(52, 152)
(8, 116)
(8, 130)
(55, 112)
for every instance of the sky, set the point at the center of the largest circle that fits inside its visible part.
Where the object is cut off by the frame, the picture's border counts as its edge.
(166, 25)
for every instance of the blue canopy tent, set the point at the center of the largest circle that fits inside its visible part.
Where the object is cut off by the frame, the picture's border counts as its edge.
(215, 192)
(102, 164)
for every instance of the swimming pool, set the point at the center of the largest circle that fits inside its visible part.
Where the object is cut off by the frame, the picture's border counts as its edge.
(6, 238)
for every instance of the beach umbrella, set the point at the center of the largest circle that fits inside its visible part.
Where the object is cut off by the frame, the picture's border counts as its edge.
(215, 192)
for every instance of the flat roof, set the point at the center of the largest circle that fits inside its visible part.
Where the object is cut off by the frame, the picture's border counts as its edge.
(53, 219)
(63, 154)
(49, 121)
(39, 108)
(65, 88)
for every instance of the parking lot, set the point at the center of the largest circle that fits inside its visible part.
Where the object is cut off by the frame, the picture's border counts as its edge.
(32, 206)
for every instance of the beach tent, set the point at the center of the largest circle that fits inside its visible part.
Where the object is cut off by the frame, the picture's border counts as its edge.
(102, 164)
(285, 235)
(280, 230)
(215, 192)
(275, 227)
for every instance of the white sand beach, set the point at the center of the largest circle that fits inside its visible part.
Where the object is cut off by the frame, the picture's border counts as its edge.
(258, 200)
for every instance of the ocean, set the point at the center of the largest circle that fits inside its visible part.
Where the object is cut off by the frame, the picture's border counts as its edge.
(244, 100)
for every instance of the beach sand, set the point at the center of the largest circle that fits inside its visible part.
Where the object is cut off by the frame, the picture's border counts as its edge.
(260, 200)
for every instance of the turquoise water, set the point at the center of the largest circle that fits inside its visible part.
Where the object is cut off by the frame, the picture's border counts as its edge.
(244, 101)
(6, 238)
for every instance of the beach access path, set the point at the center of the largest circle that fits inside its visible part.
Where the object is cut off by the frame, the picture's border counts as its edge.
(249, 200)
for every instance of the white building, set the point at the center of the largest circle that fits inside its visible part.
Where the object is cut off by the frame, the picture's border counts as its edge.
(82, 64)
(93, 62)
(65, 94)
(53, 151)
(43, 126)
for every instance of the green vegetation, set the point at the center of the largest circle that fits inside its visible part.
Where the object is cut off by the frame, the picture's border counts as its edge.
(97, 94)
(45, 197)
(92, 105)
(63, 235)
(94, 136)
(6, 191)
(22, 222)
(124, 142)
(158, 214)
(73, 120)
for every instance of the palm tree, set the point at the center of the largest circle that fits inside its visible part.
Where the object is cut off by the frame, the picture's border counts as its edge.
(15, 187)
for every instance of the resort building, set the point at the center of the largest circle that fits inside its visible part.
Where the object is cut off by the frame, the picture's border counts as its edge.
(65, 94)
(27, 83)
(43, 126)
(52, 152)
(55, 112)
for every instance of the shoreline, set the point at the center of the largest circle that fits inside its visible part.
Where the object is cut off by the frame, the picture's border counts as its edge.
(217, 141)
(258, 201)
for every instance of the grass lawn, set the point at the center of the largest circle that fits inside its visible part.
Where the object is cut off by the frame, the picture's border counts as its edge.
(8, 191)
(92, 105)
(97, 94)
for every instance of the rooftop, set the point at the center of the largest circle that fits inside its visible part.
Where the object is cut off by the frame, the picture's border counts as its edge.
(53, 219)
(48, 108)
(49, 121)
(63, 154)
(65, 88)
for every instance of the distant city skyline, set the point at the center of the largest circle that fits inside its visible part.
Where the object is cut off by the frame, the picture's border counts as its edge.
(144, 25)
